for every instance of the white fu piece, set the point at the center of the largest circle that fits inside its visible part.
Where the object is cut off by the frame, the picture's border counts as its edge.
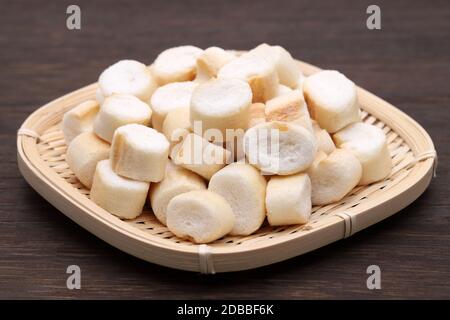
(289, 107)
(126, 77)
(118, 195)
(333, 176)
(332, 100)
(243, 186)
(368, 144)
(168, 98)
(287, 68)
(220, 104)
(288, 199)
(177, 180)
(79, 119)
(176, 64)
(279, 147)
(139, 153)
(83, 154)
(200, 216)
(260, 74)
(200, 156)
(210, 62)
(118, 110)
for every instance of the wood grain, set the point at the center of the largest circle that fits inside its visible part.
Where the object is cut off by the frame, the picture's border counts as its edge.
(406, 63)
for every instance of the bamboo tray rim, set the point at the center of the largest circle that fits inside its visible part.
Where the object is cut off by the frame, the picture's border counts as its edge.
(122, 235)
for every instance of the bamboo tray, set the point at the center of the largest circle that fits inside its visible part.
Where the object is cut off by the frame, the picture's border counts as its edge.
(41, 158)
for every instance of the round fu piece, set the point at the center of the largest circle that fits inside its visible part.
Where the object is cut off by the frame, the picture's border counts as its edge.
(289, 107)
(332, 100)
(286, 67)
(79, 119)
(118, 110)
(83, 154)
(176, 64)
(120, 196)
(288, 199)
(210, 62)
(243, 186)
(201, 216)
(139, 153)
(279, 147)
(221, 104)
(333, 176)
(200, 156)
(177, 180)
(168, 98)
(259, 72)
(126, 77)
(368, 144)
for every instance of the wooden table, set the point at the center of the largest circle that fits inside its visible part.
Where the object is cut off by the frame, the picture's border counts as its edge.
(407, 63)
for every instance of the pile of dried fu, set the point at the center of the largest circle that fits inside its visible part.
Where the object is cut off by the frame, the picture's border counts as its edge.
(216, 141)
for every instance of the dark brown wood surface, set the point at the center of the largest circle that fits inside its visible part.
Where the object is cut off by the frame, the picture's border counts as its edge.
(407, 63)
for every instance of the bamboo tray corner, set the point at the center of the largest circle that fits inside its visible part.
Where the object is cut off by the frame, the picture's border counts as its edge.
(41, 159)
